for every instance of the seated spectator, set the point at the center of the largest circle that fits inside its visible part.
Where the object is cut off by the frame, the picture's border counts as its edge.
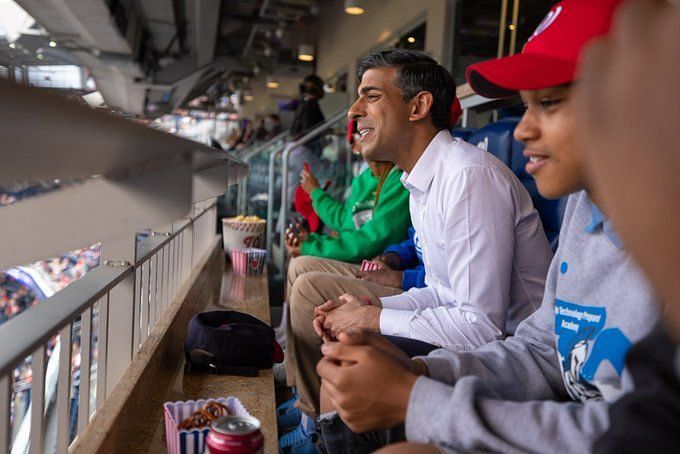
(483, 246)
(623, 123)
(565, 365)
(260, 131)
(374, 216)
(272, 124)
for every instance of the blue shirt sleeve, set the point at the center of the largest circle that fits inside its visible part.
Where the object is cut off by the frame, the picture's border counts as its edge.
(414, 277)
(406, 250)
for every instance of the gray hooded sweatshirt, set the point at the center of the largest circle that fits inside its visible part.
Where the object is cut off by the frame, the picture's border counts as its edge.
(548, 388)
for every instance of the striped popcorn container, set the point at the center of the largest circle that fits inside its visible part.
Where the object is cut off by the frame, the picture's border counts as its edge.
(192, 441)
(241, 234)
(248, 261)
(367, 265)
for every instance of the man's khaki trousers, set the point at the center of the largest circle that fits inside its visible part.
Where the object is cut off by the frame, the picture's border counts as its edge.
(311, 282)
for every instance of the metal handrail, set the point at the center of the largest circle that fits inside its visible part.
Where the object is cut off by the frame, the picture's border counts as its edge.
(34, 327)
(313, 134)
(259, 148)
(168, 237)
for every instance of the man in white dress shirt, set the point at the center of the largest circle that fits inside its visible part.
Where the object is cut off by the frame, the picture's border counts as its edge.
(484, 249)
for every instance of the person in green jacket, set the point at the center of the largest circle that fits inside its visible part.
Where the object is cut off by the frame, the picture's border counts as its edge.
(375, 215)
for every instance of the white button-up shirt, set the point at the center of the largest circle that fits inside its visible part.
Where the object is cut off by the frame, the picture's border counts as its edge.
(484, 249)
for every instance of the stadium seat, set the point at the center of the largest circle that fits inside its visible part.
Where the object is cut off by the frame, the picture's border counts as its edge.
(497, 138)
(463, 133)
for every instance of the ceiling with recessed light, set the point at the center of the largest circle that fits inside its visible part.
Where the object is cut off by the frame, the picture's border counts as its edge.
(151, 56)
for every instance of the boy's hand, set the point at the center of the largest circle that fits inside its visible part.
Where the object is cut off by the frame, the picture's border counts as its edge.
(386, 277)
(390, 261)
(368, 380)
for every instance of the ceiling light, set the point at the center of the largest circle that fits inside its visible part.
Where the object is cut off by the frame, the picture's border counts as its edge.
(411, 39)
(512, 27)
(12, 46)
(272, 83)
(306, 52)
(354, 7)
(40, 56)
(53, 44)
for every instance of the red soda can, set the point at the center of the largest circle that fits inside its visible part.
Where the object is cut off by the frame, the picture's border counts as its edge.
(235, 435)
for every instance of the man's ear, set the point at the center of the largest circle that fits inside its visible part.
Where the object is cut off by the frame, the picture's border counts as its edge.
(421, 105)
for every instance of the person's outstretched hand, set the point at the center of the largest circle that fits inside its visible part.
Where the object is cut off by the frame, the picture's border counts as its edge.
(308, 181)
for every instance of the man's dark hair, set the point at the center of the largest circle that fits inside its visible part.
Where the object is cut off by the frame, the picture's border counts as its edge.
(417, 72)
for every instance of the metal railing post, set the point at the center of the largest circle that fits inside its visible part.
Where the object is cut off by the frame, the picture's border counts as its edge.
(284, 204)
(270, 202)
(121, 312)
(246, 156)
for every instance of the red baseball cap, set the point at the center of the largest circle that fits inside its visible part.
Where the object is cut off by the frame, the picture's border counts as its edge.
(550, 56)
(456, 110)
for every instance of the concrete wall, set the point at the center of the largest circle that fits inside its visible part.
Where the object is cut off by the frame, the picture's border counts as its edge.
(344, 39)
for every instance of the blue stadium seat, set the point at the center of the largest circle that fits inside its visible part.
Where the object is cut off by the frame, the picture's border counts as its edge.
(463, 133)
(497, 138)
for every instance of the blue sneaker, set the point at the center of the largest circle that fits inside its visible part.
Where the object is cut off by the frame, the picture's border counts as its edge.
(284, 407)
(299, 442)
(288, 420)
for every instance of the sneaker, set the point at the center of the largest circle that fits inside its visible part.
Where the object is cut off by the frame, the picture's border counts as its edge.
(283, 408)
(299, 442)
(289, 419)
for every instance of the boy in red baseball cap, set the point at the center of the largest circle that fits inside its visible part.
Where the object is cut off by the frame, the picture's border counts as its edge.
(549, 387)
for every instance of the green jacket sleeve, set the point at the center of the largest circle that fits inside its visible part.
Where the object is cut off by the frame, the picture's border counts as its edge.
(390, 223)
(330, 211)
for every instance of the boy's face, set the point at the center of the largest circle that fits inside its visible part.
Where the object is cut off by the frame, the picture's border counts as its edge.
(381, 113)
(548, 132)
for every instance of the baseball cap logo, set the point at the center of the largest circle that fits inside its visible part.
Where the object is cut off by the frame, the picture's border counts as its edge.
(546, 22)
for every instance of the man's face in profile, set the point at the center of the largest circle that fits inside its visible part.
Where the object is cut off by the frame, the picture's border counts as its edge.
(381, 113)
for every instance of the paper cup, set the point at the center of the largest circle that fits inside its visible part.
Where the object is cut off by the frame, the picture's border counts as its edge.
(248, 262)
(239, 234)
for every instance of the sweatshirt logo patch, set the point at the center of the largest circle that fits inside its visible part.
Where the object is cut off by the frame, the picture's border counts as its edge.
(583, 346)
